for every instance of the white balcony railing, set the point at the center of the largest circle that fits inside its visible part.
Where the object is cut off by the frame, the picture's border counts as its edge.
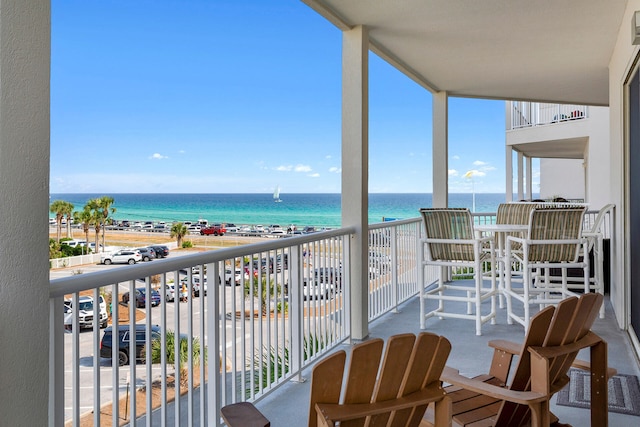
(277, 306)
(287, 305)
(529, 114)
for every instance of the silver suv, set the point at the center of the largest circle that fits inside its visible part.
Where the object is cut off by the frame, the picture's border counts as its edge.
(125, 256)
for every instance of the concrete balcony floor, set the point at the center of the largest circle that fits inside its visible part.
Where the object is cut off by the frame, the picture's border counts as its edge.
(289, 405)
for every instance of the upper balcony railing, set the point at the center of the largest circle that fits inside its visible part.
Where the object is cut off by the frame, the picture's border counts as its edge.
(270, 310)
(529, 114)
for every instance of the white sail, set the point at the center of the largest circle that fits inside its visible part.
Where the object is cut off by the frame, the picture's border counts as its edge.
(276, 195)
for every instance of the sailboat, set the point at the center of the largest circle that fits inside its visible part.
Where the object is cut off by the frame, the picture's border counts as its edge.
(276, 195)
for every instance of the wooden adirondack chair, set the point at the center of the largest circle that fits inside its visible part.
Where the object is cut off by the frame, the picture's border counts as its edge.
(550, 347)
(390, 390)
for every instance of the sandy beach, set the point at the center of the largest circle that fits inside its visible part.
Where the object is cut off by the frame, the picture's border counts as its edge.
(141, 238)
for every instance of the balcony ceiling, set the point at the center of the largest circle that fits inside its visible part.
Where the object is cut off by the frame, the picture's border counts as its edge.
(546, 50)
(570, 148)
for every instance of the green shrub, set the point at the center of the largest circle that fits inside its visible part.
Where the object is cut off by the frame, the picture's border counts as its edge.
(187, 244)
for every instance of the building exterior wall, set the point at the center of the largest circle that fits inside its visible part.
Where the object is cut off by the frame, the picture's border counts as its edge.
(562, 178)
(24, 195)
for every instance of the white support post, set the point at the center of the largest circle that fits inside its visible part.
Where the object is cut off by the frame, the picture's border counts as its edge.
(440, 162)
(509, 172)
(529, 176)
(355, 167)
(520, 176)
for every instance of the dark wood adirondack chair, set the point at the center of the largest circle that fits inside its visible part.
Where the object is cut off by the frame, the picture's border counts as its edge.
(550, 348)
(393, 389)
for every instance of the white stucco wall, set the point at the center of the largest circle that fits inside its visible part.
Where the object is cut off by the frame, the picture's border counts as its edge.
(563, 178)
(24, 200)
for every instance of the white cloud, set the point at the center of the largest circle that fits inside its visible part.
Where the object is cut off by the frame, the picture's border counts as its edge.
(181, 151)
(314, 175)
(456, 157)
(284, 168)
(453, 172)
(158, 156)
(328, 156)
(302, 168)
(479, 163)
(335, 169)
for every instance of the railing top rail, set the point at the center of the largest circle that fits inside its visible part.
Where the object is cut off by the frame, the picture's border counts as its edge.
(393, 223)
(66, 285)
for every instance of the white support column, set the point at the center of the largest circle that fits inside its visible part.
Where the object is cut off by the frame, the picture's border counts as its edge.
(529, 173)
(440, 150)
(520, 177)
(355, 169)
(24, 191)
(509, 171)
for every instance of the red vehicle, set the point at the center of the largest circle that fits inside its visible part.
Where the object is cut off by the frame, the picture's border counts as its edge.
(215, 229)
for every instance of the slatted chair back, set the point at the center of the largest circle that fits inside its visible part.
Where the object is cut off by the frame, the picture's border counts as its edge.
(515, 213)
(445, 225)
(410, 364)
(553, 224)
(562, 325)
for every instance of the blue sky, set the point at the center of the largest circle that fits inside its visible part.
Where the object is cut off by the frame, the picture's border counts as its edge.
(222, 96)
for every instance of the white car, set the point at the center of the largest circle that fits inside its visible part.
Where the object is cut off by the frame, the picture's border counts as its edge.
(170, 292)
(125, 256)
(195, 280)
(316, 290)
(234, 276)
(85, 312)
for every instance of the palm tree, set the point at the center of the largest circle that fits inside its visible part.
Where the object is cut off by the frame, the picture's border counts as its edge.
(183, 352)
(58, 207)
(179, 230)
(68, 212)
(95, 210)
(105, 203)
(84, 217)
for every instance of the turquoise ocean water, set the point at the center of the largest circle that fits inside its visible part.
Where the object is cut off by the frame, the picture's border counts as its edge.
(321, 210)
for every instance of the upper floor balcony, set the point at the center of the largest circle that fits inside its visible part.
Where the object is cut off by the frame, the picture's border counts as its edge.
(530, 114)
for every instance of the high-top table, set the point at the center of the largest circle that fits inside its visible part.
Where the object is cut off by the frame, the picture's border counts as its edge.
(500, 231)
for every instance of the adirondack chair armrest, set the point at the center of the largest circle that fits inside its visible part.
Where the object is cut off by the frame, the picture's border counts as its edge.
(243, 414)
(506, 346)
(331, 413)
(585, 365)
(452, 376)
(589, 340)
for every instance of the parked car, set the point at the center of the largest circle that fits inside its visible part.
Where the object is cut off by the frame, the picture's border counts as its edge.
(124, 338)
(196, 285)
(126, 256)
(141, 297)
(160, 250)
(170, 292)
(215, 229)
(74, 243)
(85, 312)
(234, 276)
(231, 228)
(147, 253)
(315, 289)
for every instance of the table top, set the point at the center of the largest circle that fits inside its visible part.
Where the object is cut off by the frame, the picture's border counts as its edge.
(506, 228)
